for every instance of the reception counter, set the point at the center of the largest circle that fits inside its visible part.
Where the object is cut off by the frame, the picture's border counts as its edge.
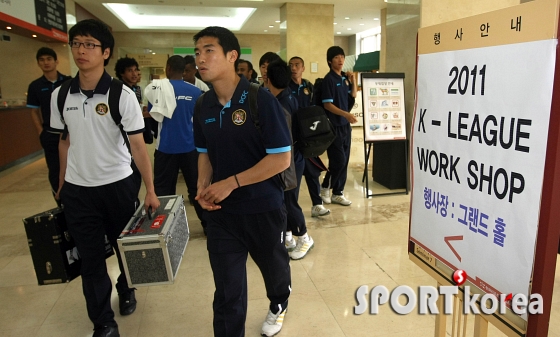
(19, 139)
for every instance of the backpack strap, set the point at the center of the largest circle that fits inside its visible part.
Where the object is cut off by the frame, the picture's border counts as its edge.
(309, 87)
(60, 100)
(115, 91)
(198, 105)
(253, 106)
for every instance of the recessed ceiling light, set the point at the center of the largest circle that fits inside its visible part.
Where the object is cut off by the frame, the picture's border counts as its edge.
(173, 17)
(153, 53)
(349, 28)
(346, 18)
(34, 35)
(376, 19)
(270, 26)
(335, 23)
(277, 21)
(266, 30)
(361, 24)
(8, 27)
(338, 32)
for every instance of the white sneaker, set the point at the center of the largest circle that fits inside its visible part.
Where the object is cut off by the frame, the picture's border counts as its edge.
(273, 323)
(302, 248)
(290, 244)
(319, 210)
(326, 195)
(340, 199)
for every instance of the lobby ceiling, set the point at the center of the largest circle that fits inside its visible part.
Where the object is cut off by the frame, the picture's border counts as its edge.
(351, 16)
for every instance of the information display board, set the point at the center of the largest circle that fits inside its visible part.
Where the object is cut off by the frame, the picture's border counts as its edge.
(383, 106)
(479, 141)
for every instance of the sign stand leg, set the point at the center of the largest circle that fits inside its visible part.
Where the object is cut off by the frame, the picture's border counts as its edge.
(480, 326)
(367, 151)
(441, 318)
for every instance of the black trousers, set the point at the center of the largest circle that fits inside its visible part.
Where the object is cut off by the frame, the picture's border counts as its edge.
(49, 142)
(166, 171)
(296, 219)
(339, 155)
(230, 238)
(91, 213)
(311, 174)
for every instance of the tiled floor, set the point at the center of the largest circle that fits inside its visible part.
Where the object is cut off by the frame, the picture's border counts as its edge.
(364, 243)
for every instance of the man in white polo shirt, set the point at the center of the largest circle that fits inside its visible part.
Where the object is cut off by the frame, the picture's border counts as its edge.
(97, 187)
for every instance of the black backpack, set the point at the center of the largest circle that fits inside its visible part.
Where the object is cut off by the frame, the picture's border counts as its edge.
(318, 94)
(115, 91)
(288, 176)
(314, 131)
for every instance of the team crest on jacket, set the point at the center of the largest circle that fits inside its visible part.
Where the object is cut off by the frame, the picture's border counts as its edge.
(101, 109)
(306, 91)
(239, 117)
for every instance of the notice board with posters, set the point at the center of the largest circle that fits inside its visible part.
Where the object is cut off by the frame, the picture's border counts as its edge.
(483, 150)
(383, 106)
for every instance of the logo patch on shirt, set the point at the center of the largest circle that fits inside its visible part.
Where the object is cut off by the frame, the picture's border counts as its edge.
(306, 91)
(209, 120)
(239, 117)
(101, 109)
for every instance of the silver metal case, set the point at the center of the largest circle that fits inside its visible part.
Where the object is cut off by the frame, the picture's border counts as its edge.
(152, 250)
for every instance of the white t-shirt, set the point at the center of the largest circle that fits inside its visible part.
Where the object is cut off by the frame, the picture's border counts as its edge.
(98, 154)
(200, 84)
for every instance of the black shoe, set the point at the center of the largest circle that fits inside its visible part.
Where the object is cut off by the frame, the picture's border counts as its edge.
(127, 302)
(106, 331)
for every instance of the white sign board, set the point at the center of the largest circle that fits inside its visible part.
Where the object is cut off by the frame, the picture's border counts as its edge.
(479, 139)
(21, 9)
(383, 104)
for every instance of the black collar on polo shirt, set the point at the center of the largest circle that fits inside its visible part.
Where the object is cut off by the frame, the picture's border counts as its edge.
(59, 77)
(101, 88)
(242, 86)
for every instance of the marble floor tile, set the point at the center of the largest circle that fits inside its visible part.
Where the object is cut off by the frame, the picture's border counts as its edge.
(361, 244)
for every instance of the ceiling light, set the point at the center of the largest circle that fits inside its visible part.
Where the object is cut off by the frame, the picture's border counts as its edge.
(165, 17)
(153, 53)
(335, 23)
(361, 24)
(8, 27)
(34, 35)
(346, 18)
(270, 26)
(70, 19)
(376, 19)
(277, 21)
(349, 28)
(338, 32)
(266, 30)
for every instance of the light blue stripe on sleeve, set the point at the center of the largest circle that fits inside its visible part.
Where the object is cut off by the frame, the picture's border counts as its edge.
(279, 150)
(32, 106)
(202, 150)
(330, 100)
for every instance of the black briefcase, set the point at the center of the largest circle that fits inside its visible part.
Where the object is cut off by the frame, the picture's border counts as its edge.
(54, 253)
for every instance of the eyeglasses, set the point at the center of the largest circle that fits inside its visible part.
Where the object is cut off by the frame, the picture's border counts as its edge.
(87, 45)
